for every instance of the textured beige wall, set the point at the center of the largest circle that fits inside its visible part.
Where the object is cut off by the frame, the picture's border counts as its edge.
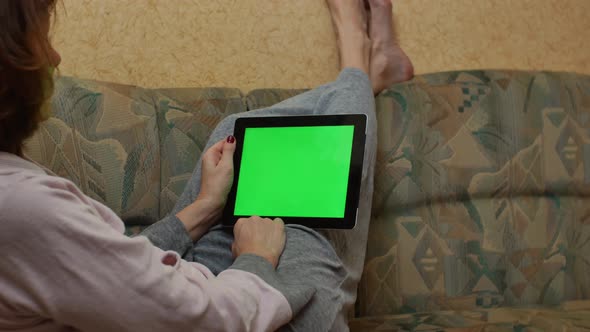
(289, 43)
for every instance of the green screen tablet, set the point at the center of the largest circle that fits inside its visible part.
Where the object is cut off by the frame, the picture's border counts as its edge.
(305, 170)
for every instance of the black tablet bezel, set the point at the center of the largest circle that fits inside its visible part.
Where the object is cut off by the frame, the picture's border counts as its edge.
(359, 121)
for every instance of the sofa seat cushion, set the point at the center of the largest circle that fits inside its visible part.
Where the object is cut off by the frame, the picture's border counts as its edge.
(460, 256)
(570, 316)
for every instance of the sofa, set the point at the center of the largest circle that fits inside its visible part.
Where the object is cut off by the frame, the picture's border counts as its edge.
(481, 209)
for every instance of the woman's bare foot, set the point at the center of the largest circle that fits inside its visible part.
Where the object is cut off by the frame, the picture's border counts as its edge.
(350, 22)
(389, 63)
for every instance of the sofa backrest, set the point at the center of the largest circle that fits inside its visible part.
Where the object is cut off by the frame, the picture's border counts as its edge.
(481, 193)
(103, 137)
(132, 149)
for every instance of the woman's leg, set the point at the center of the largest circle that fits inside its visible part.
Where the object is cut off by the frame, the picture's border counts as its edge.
(350, 93)
(333, 266)
(333, 261)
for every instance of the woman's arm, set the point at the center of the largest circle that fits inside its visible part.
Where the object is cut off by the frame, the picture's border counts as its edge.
(177, 232)
(92, 278)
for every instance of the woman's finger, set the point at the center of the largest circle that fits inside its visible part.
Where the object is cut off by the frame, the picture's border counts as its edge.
(239, 224)
(229, 147)
(212, 155)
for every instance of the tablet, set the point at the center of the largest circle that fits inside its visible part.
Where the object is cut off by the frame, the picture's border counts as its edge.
(303, 169)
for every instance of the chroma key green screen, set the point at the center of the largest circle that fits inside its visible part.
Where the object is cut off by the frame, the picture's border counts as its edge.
(294, 171)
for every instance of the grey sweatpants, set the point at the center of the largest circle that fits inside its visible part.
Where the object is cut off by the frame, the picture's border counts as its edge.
(331, 261)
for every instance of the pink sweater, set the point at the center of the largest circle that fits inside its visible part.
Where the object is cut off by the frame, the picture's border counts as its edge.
(66, 266)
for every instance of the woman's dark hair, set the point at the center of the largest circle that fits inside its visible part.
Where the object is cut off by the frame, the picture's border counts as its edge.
(24, 69)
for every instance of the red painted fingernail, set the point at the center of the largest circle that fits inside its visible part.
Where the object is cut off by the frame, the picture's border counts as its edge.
(169, 259)
(231, 139)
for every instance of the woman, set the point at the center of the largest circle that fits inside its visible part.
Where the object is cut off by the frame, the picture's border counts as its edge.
(67, 266)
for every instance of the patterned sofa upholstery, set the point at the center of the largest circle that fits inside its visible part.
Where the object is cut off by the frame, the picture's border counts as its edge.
(480, 219)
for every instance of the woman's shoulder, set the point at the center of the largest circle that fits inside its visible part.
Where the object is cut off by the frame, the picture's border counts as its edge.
(38, 185)
(21, 176)
(29, 201)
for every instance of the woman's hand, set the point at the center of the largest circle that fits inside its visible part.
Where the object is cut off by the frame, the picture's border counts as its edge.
(261, 237)
(217, 174)
(216, 180)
